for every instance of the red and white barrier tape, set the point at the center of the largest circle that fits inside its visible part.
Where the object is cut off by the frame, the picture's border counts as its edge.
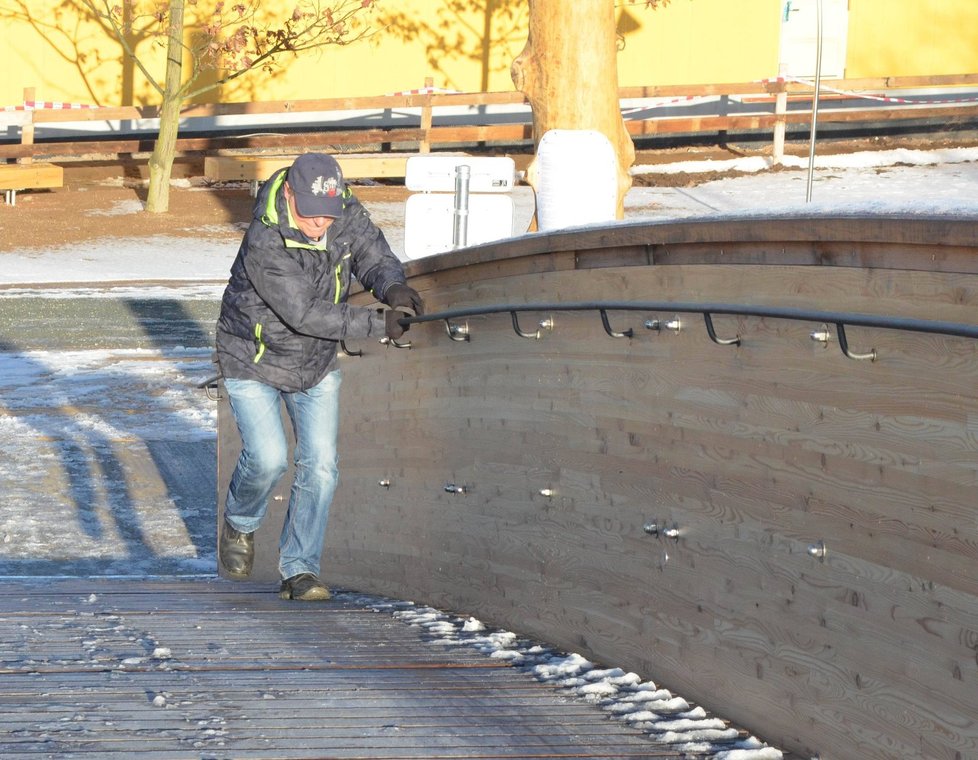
(866, 96)
(426, 91)
(32, 105)
(686, 101)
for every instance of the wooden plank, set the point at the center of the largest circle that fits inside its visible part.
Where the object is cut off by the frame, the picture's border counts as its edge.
(141, 148)
(132, 668)
(30, 176)
(259, 168)
(209, 110)
(873, 242)
(872, 115)
(696, 124)
(749, 88)
(896, 83)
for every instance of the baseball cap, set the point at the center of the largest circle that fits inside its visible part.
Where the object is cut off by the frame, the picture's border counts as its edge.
(317, 184)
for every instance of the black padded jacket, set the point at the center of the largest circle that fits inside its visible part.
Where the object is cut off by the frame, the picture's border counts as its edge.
(284, 310)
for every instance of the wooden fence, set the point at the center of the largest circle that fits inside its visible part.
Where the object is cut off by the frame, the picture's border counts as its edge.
(780, 103)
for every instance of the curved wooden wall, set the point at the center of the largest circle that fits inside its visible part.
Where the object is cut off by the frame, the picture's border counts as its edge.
(754, 453)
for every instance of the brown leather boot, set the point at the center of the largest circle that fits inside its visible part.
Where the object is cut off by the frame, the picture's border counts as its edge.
(304, 587)
(236, 551)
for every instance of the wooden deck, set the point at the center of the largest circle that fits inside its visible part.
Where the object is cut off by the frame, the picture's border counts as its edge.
(115, 668)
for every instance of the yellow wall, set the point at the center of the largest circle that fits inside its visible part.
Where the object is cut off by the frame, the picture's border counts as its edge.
(687, 41)
(700, 42)
(912, 37)
(73, 62)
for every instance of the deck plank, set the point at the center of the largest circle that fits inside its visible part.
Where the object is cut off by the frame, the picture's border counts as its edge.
(177, 668)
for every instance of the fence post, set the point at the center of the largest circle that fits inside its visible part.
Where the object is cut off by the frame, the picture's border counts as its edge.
(780, 120)
(425, 145)
(27, 130)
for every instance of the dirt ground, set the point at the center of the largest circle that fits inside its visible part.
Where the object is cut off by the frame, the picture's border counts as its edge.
(98, 197)
(91, 206)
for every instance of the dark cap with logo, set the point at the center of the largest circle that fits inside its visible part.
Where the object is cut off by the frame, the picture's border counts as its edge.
(317, 184)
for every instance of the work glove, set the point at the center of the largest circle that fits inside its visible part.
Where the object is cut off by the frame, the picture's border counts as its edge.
(401, 296)
(392, 327)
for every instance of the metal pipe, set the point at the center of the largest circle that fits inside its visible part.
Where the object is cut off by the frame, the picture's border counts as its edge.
(818, 84)
(460, 230)
(734, 341)
(850, 319)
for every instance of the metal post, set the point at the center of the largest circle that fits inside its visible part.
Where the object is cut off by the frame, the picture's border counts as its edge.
(460, 231)
(818, 83)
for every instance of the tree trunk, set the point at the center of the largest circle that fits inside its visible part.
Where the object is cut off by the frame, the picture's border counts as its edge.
(568, 72)
(161, 160)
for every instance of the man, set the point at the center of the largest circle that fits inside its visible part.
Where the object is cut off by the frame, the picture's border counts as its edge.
(283, 314)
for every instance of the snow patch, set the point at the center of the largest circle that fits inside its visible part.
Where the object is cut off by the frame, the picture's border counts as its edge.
(667, 719)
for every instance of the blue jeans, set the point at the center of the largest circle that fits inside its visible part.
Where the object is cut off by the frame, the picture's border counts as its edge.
(264, 460)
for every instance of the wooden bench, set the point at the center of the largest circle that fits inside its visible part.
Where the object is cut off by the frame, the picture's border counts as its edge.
(14, 177)
(256, 169)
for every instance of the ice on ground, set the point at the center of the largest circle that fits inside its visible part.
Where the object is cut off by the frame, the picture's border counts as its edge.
(90, 482)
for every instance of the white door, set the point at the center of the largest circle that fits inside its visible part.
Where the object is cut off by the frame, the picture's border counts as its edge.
(799, 37)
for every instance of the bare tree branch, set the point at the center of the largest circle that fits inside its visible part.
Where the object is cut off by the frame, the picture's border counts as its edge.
(102, 11)
(228, 38)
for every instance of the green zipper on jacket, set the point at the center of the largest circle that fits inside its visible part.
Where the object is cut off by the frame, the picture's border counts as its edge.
(261, 345)
(338, 278)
